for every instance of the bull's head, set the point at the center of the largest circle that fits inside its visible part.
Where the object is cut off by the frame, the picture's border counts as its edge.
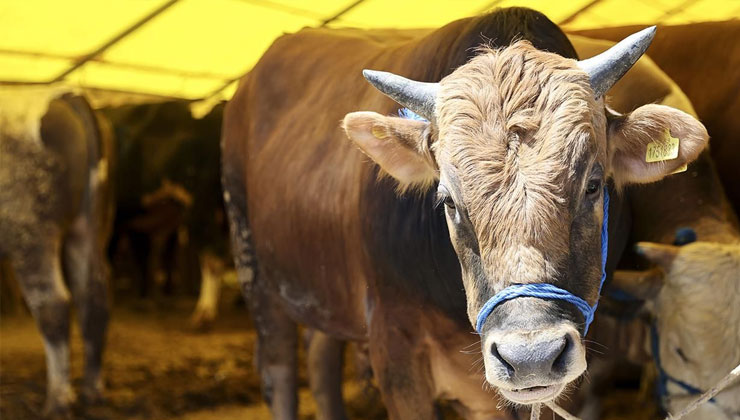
(519, 144)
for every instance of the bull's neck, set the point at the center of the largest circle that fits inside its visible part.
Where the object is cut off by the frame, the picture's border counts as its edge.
(410, 247)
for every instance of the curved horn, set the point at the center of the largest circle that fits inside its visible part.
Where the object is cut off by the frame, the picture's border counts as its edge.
(607, 68)
(416, 96)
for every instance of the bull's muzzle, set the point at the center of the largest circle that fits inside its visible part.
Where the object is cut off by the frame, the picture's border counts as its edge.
(534, 366)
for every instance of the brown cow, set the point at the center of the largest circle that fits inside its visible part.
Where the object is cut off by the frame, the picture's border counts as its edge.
(55, 218)
(516, 147)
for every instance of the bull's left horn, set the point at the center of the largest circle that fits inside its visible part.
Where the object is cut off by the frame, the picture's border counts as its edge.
(416, 96)
(607, 68)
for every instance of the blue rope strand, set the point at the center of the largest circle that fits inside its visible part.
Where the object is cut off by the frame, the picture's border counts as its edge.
(410, 115)
(536, 290)
(550, 291)
(604, 256)
(663, 377)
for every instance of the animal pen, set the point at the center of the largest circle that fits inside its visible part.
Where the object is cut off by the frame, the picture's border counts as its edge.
(370, 209)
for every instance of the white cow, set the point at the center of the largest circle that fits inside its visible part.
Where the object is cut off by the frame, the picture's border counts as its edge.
(695, 298)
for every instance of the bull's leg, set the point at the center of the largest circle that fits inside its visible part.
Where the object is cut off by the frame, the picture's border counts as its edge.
(276, 332)
(39, 272)
(141, 248)
(167, 263)
(212, 271)
(275, 353)
(402, 371)
(325, 375)
(87, 273)
(11, 298)
(156, 266)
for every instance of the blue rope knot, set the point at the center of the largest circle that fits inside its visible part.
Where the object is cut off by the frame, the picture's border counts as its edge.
(550, 291)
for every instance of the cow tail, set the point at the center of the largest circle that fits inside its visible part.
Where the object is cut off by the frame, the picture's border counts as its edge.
(98, 200)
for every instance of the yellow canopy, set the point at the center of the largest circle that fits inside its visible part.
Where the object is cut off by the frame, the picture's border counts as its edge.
(198, 48)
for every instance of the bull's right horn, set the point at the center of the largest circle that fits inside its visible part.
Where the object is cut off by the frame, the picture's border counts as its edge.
(605, 69)
(416, 96)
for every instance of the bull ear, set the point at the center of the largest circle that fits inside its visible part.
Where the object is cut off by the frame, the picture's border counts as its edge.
(400, 146)
(641, 284)
(651, 142)
(659, 254)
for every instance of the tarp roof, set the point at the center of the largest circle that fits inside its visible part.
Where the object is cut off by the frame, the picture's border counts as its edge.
(199, 48)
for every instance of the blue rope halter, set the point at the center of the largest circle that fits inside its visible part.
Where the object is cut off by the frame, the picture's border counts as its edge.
(550, 291)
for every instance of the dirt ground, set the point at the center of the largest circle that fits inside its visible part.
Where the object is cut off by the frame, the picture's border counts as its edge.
(158, 367)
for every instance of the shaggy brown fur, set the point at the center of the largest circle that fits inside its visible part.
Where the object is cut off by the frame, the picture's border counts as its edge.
(516, 123)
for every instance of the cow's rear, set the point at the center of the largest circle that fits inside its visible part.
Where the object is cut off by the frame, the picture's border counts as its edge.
(55, 217)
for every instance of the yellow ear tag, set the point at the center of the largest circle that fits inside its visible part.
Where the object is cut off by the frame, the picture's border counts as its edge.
(680, 169)
(659, 151)
(379, 132)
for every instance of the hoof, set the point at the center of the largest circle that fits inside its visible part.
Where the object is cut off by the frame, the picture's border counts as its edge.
(59, 405)
(93, 394)
(202, 319)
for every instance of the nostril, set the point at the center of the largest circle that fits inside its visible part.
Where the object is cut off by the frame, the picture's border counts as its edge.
(497, 356)
(560, 363)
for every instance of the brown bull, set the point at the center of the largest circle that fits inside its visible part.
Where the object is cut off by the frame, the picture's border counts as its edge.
(515, 151)
(55, 219)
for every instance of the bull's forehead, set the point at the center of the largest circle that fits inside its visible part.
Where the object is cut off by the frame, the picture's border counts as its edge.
(516, 126)
(515, 96)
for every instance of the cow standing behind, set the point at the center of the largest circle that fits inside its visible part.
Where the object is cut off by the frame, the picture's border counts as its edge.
(169, 183)
(515, 146)
(695, 299)
(55, 218)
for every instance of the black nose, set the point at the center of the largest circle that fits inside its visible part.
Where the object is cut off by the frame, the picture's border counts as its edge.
(534, 357)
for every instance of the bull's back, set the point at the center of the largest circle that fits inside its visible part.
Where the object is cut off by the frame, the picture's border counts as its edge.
(304, 178)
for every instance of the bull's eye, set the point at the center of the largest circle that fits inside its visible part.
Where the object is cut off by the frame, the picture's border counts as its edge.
(449, 202)
(593, 186)
(682, 355)
(444, 197)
